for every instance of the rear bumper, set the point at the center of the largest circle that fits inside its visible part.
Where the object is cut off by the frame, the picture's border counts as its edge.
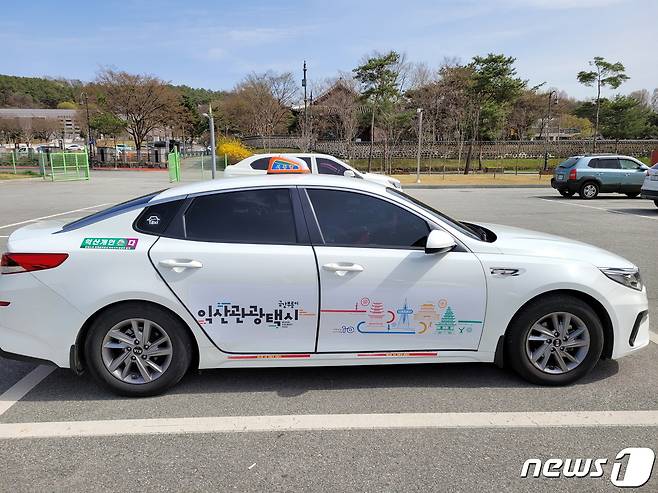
(570, 185)
(38, 324)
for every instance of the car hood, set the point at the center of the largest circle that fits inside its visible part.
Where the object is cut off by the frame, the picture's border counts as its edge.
(517, 241)
(382, 179)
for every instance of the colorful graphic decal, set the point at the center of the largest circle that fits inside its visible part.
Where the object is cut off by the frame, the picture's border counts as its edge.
(110, 243)
(425, 354)
(286, 313)
(438, 319)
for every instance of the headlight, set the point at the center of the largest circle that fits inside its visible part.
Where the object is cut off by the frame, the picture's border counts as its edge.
(628, 277)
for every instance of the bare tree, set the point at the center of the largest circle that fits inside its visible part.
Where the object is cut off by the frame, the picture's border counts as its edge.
(143, 102)
(11, 130)
(642, 96)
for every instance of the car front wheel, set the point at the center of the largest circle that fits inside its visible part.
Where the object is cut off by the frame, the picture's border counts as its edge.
(138, 350)
(589, 190)
(554, 340)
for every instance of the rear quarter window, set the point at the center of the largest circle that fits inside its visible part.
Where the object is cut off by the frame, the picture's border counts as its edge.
(156, 218)
(568, 163)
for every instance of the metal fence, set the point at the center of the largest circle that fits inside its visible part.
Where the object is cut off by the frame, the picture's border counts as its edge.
(510, 149)
(67, 166)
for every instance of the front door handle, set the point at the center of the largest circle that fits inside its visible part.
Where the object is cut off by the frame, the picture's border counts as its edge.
(180, 265)
(342, 268)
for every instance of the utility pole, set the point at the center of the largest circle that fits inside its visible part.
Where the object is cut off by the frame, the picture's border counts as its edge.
(211, 122)
(419, 112)
(305, 128)
(90, 140)
(548, 127)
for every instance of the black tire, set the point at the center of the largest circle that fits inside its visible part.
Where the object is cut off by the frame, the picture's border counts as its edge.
(589, 190)
(180, 345)
(519, 328)
(566, 193)
(655, 202)
(632, 195)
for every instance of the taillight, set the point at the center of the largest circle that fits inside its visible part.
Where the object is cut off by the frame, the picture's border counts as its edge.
(572, 174)
(13, 263)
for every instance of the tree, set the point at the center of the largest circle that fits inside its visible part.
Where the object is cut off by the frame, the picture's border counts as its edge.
(624, 117)
(143, 102)
(43, 129)
(107, 125)
(380, 86)
(493, 84)
(11, 130)
(604, 74)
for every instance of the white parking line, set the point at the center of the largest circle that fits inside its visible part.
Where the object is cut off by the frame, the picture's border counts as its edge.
(17, 391)
(568, 202)
(322, 422)
(54, 215)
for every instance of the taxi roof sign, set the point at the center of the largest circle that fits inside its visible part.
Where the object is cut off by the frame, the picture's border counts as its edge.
(286, 165)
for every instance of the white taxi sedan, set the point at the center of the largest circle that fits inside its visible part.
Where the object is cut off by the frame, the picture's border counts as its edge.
(307, 270)
(321, 164)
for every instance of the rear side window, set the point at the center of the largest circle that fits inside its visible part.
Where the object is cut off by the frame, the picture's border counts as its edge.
(110, 212)
(155, 219)
(260, 164)
(249, 216)
(307, 160)
(359, 220)
(604, 163)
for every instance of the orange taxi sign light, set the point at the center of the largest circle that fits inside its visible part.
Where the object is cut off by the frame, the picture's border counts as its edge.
(285, 164)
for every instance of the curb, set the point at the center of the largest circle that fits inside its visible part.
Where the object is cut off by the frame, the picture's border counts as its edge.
(438, 187)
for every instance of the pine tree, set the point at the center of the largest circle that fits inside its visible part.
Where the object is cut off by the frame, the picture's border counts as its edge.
(448, 319)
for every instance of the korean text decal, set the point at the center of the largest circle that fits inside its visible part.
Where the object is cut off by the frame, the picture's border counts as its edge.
(110, 243)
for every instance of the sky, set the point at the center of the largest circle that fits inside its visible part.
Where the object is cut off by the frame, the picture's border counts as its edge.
(214, 44)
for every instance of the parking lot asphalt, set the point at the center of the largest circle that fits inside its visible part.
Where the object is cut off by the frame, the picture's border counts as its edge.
(391, 459)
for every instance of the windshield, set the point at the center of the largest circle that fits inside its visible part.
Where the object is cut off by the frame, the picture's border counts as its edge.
(459, 226)
(569, 162)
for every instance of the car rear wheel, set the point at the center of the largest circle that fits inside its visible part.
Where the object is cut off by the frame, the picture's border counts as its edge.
(589, 190)
(566, 193)
(138, 349)
(555, 340)
(632, 195)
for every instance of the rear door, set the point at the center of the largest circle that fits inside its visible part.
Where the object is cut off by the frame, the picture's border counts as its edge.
(610, 174)
(242, 265)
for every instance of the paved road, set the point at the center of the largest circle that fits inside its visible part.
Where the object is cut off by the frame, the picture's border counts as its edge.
(394, 459)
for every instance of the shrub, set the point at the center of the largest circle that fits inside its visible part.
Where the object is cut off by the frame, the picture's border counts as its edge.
(233, 148)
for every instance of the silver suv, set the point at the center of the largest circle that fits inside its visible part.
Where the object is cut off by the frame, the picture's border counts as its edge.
(588, 175)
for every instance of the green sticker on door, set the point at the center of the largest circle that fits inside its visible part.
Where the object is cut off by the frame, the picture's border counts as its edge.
(110, 243)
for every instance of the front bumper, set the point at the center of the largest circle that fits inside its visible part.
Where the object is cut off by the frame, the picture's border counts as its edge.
(630, 319)
(646, 193)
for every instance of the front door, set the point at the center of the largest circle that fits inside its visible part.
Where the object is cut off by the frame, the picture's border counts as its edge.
(634, 174)
(380, 291)
(242, 273)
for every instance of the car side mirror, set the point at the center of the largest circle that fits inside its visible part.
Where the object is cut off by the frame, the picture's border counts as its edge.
(438, 241)
(350, 173)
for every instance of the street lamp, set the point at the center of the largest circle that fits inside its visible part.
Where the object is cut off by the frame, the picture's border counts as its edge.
(90, 140)
(419, 112)
(211, 122)
(551, 94)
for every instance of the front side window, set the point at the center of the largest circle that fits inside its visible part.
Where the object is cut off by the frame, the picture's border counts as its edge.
(628, 164)
(249, 216)
(359, 220)
(329, 167)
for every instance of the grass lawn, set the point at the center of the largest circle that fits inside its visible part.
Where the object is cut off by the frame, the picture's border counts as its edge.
(477, 179)
(19, 175)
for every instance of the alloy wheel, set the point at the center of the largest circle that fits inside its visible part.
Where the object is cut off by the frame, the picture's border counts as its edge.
(137, 351)
(557, 343)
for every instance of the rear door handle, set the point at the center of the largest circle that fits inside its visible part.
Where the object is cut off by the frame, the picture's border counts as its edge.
(180, 265)
(342, 268)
